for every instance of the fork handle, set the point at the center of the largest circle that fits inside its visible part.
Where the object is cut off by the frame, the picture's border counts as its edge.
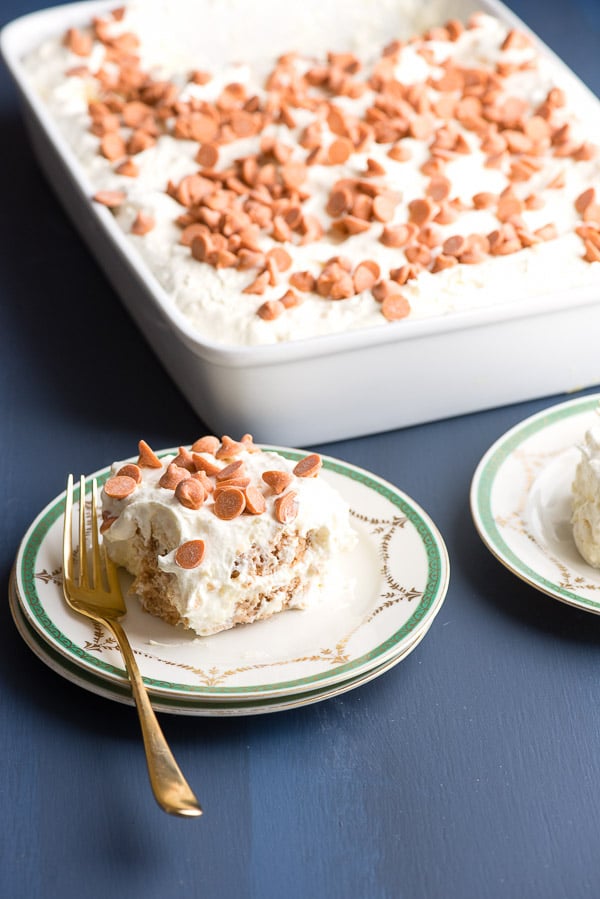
(170, 788)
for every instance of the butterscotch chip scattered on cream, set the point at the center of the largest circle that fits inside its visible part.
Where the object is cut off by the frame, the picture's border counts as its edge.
(228, 535)
(236, 187)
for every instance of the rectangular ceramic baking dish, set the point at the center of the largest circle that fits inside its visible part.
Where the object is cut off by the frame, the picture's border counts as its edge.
(343, 385)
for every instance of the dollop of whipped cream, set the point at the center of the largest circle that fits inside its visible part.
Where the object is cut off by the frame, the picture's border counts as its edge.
(207, 596)
(586, 499)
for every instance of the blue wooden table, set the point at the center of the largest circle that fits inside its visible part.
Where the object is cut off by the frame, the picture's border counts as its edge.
(472, 770)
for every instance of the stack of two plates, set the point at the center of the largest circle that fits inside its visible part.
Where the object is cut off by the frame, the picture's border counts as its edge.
(379, 609)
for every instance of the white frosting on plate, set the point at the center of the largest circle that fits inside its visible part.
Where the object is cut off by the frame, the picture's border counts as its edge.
(207, 595)
(586, 499)
(212, 299)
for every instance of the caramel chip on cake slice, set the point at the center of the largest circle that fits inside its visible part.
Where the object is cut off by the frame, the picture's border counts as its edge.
(205, 465)
(185, 459)
(130, 471)
(255, 501)
(308, 467)
(233, 470)
(147, 457)
(204, 479)
(119, 486)
(286, 507)
(190, 554)
(277, 480)
(229, 448)
(190, 493)
(206, 444)
(231, 482)
(172, 476)
(107, 522)
(230, 502)
(247, 440)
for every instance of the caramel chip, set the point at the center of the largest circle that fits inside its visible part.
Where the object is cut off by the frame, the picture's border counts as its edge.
(233, 470)
(107, 522)
(112, 146)
(120, 486)
(205, 465)
(259, 285)
(547, 232)
(365, 275)
(78, 42)
(207, 444)
(109, 198)
(384, 207)
(396, 236)
(255, 501)
(172, 476)
(270, 310)
(290, 299)
(339, 202)
(339, 151)
(585, 199)
(147, 457)
(454, 246)
(443, 262)
(281, 258)
(395, 306)
(399, 153)
(229, 448)
(127, 168)
(383, 289)
(277, 480)
(142, 224)
(421, 210)
(439, 188)
(231, 482)
(509, 206)
(401, 275)
(184, 459)
(190, 554)
(308, 467)
(190, 493)
(207, 156)
(229, 503)
(204, 480)
(286, 507)
(484, 200)
(130, 471)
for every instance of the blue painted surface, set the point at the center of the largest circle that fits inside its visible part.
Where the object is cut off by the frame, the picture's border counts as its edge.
(472, 770)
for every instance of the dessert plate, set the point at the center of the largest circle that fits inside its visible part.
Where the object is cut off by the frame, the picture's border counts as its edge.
(387, 591)
(521, 502)
(190, 706)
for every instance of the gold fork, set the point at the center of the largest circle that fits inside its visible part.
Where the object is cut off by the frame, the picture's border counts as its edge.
(98, 595)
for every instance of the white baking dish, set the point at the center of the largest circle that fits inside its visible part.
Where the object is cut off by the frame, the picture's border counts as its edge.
(342, 385)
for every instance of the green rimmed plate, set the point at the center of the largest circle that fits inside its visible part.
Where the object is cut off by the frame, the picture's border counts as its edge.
(188, 706)
(521, 502)
(390, 588)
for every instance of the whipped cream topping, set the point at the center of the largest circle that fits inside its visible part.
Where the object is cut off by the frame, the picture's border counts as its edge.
(207, 595)
(212, 299)
(586, 499)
